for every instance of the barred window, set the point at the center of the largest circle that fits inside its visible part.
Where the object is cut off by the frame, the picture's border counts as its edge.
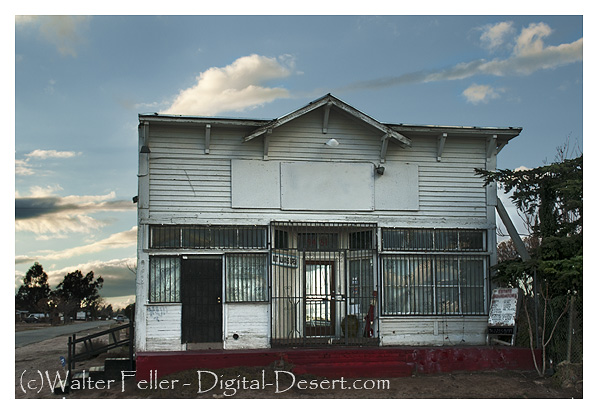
(433, 284)
(165, 277)
(207, 237)
(318, 241)
(246, 278)
(460, 240)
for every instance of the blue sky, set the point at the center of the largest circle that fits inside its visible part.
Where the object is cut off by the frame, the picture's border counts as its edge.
(81, 81)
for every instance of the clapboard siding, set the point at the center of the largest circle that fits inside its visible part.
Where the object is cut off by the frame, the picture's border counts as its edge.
(433, 331)
(188, 185)
(163, 327)
(251, 324)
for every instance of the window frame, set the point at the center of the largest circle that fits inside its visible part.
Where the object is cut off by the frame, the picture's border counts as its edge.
(176, 284)
(433, 283)
(266, 281)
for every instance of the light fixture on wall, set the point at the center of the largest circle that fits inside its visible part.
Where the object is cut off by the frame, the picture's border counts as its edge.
(144, 149)
(332, 143)
(380, 170)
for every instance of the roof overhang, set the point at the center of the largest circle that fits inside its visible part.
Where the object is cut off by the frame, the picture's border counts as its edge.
(328, 101)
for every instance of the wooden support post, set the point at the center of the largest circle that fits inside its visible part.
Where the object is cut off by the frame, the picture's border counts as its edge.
(325, 121)
(267, 134)
(441, 145)
(511, 229)
(491, 145)
(384, 145)
(207, 138)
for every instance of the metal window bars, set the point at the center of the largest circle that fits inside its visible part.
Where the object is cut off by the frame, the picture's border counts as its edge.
(323, 283)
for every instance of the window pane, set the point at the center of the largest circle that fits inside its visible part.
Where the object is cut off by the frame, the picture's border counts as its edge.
(195, 237)
(472, 240)
(361, 240)
(446, 240)
(165, 237)
(433, 284)
(317, 241)
(361, 288)
(407, 284)
(408, 239)
(472, 281)
(165, 273)
(246, 277)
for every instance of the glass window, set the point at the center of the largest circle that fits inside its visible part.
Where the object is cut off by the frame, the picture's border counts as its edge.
(361, 285)
(318, 241)
(165, 237)
(433, 284)
(246, 277)
(433, 240)
(281, 239)
(472, 240)
(408, 239)
(204, 237)
(165, 277)
(361, 240)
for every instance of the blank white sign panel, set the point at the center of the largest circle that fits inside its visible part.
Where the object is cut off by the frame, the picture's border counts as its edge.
(327, 186)
(254, 184)
(397, 188)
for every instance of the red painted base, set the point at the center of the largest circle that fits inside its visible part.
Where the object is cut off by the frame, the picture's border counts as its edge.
(334, 363)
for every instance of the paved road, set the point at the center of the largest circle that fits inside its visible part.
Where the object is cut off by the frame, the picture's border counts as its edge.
(23, 338)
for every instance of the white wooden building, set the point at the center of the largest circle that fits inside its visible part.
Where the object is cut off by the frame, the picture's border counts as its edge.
(321, 227)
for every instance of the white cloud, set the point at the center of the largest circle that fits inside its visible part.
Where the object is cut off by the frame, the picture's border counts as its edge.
(118, 240)
(22, 168)
(48, 215)
(528, 56)
(235, 87)
(530, 41)
(476, 94)
(495, 35)
(25, 167)
(46, 154)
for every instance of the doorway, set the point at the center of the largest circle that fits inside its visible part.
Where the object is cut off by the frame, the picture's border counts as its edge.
(320, 314)
(201, 298)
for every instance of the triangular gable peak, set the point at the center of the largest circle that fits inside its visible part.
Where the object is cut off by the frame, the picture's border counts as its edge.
(327, 102)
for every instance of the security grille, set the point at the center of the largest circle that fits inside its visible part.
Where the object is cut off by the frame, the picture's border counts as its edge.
(323, 284)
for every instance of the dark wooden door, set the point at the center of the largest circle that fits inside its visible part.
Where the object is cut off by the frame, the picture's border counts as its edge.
(201, 298)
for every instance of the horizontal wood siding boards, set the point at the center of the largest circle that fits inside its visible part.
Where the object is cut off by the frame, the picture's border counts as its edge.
(303, 139)
(435, 331)
(187, 184)
(250, 322)
(163, 327)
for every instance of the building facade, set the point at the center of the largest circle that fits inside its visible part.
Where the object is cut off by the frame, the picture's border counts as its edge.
(323, 227)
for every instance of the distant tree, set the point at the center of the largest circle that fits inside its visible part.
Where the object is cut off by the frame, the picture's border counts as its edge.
(34, 290)
(552, 195)
(129, 311)
(506, 250)
(80, 290)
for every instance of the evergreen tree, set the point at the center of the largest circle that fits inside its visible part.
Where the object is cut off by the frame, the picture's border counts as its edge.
(34, 291)
(552, 196)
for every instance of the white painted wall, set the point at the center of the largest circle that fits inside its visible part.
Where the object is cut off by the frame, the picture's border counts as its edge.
(163, 327)
(433, 331)
(251, 323)
(187, 185)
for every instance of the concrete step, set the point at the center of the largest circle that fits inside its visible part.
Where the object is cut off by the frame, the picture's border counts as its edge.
(114, 366)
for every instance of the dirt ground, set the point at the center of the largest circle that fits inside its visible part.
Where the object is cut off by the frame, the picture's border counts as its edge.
(33, 361)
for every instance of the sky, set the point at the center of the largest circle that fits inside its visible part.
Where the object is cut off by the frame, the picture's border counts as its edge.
(81, 81)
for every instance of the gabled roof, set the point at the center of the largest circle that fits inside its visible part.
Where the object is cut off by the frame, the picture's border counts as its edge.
(327, 101)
